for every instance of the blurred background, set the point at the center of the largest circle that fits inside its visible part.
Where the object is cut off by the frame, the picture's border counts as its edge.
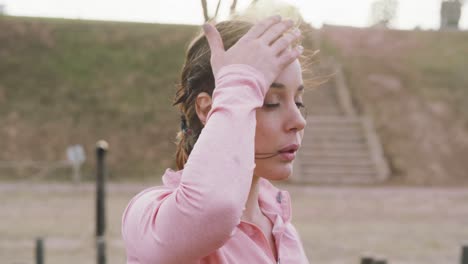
(382, 170)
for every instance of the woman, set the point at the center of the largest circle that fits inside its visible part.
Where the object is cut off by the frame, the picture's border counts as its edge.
(240, 98)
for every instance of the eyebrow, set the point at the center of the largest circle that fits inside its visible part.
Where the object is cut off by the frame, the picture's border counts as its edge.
(282, 86)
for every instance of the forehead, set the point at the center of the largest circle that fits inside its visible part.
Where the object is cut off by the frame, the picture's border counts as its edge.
(291, 76)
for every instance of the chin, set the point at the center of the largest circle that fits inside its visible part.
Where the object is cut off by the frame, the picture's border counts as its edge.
(274, 172)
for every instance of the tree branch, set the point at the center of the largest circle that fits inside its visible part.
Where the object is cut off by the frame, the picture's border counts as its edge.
(217, 9)
(205, 10)
(233, 7)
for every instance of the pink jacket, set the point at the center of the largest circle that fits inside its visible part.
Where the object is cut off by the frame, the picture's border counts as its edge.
(195, 216)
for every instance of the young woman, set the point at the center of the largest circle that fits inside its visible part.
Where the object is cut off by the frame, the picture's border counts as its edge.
(241, 99)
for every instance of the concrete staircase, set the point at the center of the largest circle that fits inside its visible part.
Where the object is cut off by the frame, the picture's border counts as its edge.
(339, 149)
(339, 146)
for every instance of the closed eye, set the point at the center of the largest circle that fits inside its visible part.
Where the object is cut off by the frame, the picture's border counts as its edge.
(271, 105)
(300, 104)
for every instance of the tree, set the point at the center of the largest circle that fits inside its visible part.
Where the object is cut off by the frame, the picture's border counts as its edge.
(264, 8)
(450, 13)
(383, 12)
(233, 8)
(205, 10)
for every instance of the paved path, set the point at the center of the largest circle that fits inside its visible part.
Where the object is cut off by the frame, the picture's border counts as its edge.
(414, 225)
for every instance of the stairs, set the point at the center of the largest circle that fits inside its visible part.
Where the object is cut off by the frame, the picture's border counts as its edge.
(339, 149)
(323, 101)
(339, 146)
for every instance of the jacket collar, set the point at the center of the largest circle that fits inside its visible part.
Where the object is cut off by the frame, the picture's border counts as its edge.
(272, 201)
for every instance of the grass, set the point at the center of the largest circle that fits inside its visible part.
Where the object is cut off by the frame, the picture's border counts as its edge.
(74, 82)
(413, 85)
(65, 82)
(443, 68)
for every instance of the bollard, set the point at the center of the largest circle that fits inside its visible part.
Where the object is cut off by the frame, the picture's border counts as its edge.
(101, 250)
(367, 260)
(380, 261)
(39, 251)
(101, 149)
(464, 256)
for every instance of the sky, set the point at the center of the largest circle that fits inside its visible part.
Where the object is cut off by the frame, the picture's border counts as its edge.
(411, 13)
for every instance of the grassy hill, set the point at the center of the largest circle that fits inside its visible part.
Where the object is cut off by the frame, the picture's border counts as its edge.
(415, 86)
(65, 82)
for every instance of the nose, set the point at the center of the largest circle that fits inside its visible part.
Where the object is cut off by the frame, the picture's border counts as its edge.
(295, 120)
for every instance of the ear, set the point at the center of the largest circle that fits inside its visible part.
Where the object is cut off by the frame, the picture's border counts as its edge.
(203, 106)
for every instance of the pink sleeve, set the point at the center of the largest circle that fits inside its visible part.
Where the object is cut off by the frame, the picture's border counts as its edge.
(199, 216)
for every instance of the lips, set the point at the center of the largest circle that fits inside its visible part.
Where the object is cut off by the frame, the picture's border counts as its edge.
(289, 148)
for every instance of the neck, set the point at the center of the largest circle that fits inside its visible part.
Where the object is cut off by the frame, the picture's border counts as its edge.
(252, 211)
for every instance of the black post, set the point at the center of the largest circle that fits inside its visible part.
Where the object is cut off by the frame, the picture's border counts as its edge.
(380, 261)
(101, 250)
(39, 251)
(367, 260)
(101, 149)
(464, 257)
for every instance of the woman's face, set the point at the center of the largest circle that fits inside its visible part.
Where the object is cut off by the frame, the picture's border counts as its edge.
(280, 124)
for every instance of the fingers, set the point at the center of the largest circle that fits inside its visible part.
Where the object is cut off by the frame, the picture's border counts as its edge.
(275, 31)
(214, 39)
(288, 56)
(285, 41)
(258, 29)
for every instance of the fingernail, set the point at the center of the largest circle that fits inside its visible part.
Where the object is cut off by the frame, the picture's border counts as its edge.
(289, 22)
(300, 48)
(296, 32)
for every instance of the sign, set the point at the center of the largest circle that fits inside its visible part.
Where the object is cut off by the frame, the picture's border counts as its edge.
(76, 155)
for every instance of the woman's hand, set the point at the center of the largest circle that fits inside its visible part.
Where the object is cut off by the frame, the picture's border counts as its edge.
(263, 47)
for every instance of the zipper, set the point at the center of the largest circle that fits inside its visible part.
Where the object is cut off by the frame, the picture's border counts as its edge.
(279, 199)
(277, 243)
(270, 251)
